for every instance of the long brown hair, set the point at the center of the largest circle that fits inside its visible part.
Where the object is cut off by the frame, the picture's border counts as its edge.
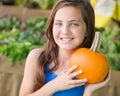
(50, 53)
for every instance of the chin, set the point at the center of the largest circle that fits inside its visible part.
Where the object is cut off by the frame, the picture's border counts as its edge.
(68, 48)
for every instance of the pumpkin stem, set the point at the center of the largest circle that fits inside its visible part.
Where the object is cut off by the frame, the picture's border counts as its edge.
(96, 42)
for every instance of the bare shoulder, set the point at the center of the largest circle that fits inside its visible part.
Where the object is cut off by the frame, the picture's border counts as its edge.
(33, 56)
(35, 52)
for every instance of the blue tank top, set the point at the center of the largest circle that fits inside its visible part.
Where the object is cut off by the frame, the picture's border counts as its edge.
(77, 91)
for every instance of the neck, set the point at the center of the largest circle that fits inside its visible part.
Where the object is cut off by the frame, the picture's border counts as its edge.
(64, 56)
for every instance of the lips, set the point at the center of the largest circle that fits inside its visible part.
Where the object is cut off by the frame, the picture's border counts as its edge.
(66, 39)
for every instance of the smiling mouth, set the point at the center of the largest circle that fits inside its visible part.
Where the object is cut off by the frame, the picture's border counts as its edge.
(66, 39)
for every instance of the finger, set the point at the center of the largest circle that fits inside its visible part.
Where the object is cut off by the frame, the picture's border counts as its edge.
(71, 69)
(74, 82)
(108, 77)
(80, 84)
(72, 75)
(72, 86)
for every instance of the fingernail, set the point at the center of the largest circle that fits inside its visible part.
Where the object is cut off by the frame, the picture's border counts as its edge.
(85, 79)
(75, 66)
(80, 71)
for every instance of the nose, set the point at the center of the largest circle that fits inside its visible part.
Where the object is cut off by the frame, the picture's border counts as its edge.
(65, 30)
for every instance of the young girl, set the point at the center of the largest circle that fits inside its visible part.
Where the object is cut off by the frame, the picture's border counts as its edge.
(47, 72)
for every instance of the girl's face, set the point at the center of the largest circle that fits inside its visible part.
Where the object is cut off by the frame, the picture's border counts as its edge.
(69, 29)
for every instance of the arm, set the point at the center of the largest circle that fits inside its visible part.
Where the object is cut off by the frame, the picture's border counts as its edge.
(27, 86)
(91, 88)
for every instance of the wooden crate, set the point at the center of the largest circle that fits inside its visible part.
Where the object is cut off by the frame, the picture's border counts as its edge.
(23, 13)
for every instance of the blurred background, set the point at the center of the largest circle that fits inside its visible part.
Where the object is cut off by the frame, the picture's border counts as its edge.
(22, 27)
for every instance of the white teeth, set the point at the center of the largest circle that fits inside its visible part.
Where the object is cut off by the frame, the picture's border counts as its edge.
(66, 39)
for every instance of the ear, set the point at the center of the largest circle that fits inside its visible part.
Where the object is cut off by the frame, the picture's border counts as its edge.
(96, 42)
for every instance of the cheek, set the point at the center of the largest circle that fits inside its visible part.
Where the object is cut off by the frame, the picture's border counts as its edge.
(80, 38)
(55, 32)
(55, 29)
(80, 35)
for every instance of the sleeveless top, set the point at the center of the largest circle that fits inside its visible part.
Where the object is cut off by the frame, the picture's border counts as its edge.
(77, 91)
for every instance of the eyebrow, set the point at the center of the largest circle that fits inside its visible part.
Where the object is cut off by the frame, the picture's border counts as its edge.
(69, 20)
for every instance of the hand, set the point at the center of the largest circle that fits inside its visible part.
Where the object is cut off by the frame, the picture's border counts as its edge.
(90, 88)
(65, 79)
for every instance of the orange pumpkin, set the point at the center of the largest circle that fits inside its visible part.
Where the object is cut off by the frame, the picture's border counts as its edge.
(95, 65)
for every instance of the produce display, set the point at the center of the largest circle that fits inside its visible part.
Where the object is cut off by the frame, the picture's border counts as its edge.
(18, 38)
(110, 45)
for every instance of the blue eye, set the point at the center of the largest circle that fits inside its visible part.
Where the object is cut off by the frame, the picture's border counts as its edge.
(75, 24)
(58, 24)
